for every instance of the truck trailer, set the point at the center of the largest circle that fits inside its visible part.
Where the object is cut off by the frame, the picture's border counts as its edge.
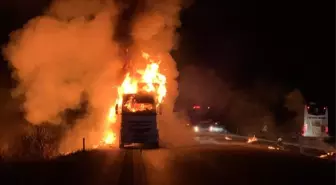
(138, 114)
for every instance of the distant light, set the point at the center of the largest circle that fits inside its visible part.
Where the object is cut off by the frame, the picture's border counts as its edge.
(307, 107)
(210, 128)
(196, 129)
(215, 129)
(324, 108)
(304, 129)
(196, 107)
(208, 107)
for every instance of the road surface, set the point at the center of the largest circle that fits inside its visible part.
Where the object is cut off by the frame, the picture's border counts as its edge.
(311, 150)
(198, 165)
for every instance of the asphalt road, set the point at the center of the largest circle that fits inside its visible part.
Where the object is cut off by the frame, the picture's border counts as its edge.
(223, 139)
(207, 164)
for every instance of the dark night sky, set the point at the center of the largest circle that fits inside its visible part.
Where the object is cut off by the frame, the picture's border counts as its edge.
(291, 42)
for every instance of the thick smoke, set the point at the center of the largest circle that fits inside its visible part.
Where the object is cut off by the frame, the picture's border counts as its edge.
(56, 60)
(59, 56)
(72, 52)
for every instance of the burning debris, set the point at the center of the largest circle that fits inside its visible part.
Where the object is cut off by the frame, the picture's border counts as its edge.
(329, 154)
(228, 138)
(273, 148)
(252, 139)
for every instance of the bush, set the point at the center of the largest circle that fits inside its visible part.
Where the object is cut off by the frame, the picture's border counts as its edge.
(34, 143)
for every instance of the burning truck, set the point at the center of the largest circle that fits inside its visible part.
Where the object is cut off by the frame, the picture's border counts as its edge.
(140, 98)
(138, 115)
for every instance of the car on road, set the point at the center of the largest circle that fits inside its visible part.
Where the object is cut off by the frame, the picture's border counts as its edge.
(202, 126)
(209, 126)
(218, 127)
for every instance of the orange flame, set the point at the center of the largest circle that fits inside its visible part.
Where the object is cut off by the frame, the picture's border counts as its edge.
(110, 136)
(228, 138)
(326, 155)
(273, 148)
(252, 139)
(153, 82)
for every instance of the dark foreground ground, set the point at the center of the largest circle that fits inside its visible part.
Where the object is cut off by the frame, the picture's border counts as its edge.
(176, 166)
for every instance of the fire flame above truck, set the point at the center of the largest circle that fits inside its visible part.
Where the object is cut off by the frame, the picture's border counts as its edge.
(149, 80)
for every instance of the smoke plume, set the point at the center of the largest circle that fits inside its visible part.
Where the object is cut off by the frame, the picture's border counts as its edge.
(62, 54)
(74, 49)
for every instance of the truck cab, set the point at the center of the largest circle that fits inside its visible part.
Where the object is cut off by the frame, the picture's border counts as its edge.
(138, 113)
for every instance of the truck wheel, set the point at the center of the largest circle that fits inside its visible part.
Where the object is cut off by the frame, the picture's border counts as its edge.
(155, 145)
(121, 145)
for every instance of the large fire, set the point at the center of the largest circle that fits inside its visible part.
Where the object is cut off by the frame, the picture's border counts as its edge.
(149, 80)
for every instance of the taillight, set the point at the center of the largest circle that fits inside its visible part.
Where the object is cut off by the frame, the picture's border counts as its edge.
(196, 107)
(304, 128)
(326, 130)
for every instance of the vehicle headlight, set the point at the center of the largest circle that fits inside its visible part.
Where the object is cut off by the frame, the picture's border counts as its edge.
(196, 129)
(211, 128)
(215, 129)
